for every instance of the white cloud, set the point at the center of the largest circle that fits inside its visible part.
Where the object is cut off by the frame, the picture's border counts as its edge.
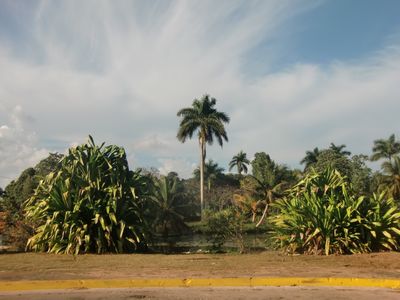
(121, 70)
(183, 167)
(19, 147)
(153, 143)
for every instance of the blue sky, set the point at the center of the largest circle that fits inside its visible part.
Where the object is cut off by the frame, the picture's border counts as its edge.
(292, 75)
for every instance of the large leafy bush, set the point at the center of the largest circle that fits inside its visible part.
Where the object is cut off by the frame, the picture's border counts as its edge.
(321, 216)
(224, 225)
(89, 205)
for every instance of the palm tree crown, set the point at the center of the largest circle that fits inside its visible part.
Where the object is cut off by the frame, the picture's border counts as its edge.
(385, 148)
(211, 172)
(392, 177)
(240, 161)
(339, 149)
(205, 119)
(310, 158)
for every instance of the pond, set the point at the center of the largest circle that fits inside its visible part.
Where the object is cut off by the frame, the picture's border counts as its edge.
(198, 242)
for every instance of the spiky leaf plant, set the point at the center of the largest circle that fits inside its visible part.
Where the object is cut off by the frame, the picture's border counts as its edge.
(89, 205)
(321, 216)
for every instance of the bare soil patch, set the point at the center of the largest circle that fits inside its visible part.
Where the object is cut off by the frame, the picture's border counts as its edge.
(42, 266)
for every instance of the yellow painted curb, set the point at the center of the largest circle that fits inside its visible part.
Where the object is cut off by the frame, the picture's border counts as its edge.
(197, 282)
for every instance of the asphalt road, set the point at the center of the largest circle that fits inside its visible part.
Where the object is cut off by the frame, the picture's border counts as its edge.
(293, 292)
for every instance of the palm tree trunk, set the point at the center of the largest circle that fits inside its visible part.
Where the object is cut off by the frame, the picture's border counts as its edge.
(263, 215)
(202, 158)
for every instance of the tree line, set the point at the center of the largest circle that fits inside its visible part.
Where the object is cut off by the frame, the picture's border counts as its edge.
(89, 200)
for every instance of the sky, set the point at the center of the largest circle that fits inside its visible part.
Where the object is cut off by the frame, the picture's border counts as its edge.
(292, 75)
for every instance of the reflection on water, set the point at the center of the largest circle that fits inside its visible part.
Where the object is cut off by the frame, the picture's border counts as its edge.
(200, 242)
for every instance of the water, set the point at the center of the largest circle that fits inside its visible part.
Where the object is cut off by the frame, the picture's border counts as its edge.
(200, 242)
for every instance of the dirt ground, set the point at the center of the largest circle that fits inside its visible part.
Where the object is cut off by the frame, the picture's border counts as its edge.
(41, 266)
(300, 293)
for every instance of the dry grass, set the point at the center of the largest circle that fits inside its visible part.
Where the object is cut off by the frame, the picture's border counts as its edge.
(37, 266)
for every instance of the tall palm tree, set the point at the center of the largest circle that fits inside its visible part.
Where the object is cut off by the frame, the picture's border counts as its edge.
(240, 161)
(385, 148)
(204, 119)
(339, 149)
(310, 158)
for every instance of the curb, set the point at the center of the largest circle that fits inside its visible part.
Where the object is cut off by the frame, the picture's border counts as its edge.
(197, 282)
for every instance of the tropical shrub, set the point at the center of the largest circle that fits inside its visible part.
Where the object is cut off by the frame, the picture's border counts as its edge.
(88, 205)
(167, 199)
(321, 216)
(225, 225)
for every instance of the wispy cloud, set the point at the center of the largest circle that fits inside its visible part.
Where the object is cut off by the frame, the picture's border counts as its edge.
(121, 70)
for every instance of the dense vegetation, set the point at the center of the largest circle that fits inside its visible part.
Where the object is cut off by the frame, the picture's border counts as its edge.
(322, 215)
(90, 201)
(88, 205)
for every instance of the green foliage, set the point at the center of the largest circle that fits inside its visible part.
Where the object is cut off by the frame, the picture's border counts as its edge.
(321, 216)
(89, 205)
(18, 230)
(332, 159)
(203, 118)
(335, 157)
(18, 191)
(225, 225)
(168, 201)
(361, 176)
(270, 177)
(391, 177)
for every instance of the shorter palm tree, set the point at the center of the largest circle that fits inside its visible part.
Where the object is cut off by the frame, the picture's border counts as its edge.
(167, 196)
(211, 173)
(310, 158)
(240, 161)
(391, 179)
(385, 148)
(339, 149)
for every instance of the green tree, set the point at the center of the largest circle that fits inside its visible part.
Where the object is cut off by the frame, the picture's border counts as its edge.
(339, 149)
(385, 148)
(168, 198)
(18, 230)
(271, 180)
(310, 158)
(361, 175)
(391, 178)
(212, 172)
(90, 204)
(204, 119)
(239, 161)
(332, 159)
(19, 190)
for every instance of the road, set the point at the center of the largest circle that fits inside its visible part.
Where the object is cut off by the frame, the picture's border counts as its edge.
(271, 293)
